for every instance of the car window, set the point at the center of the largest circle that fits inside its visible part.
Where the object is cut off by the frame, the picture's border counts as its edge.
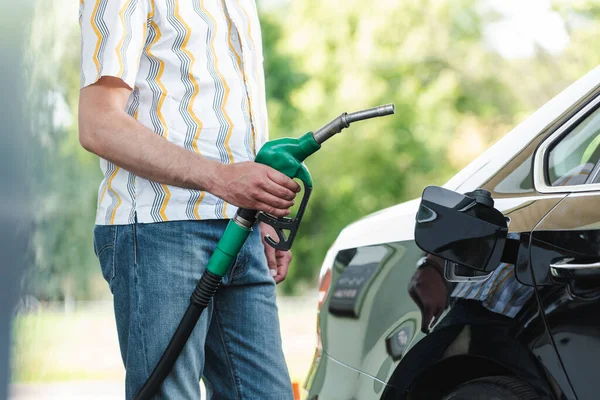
(572, 159)
(520, 180)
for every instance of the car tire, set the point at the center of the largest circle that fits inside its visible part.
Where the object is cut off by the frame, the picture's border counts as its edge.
(493, 388)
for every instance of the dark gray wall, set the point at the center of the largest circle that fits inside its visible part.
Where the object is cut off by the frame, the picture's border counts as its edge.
(15, 211)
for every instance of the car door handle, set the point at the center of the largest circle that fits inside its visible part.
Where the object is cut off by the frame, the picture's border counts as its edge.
(567, 268)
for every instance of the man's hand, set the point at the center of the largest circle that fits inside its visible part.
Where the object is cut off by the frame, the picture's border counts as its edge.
(256, 187)
(428, 289)
(278, 260)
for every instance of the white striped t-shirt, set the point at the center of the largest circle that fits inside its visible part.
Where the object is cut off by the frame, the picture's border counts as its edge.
(196, 70)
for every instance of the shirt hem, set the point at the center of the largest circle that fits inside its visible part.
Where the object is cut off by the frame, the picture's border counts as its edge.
(143, 215)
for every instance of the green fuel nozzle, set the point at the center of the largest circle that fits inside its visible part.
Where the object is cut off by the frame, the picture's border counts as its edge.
(287, 156)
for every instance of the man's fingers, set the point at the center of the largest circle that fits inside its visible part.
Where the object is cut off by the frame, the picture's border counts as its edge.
(283, 256)
(279, 191)
(271, 259)
(274, 202)
(282, 271)
(283, 180)
(283, 264)
(276, 212)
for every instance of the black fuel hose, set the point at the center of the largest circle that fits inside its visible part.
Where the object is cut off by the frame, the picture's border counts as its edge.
(205, 290)
(203, 293)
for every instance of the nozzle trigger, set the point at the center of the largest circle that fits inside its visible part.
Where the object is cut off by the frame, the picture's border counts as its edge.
(286, 224)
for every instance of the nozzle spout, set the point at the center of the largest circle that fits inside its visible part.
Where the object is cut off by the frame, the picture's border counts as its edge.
(344, 121)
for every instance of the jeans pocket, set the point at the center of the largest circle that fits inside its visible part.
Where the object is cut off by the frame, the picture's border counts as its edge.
(105, 237)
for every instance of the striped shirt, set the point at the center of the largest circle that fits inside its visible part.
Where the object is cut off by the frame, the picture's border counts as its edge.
(196, 72)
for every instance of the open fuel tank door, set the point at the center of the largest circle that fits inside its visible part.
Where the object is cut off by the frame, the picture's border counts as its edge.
(464, 229)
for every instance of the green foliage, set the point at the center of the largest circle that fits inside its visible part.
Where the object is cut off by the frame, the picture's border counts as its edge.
(454, 96)
(428, 59)
(66, 178)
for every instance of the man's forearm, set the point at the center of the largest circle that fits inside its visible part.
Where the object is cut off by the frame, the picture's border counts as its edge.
(120, 139)
(106, 130)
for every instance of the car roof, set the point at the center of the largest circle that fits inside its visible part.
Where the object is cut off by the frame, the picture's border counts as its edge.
(396, 223)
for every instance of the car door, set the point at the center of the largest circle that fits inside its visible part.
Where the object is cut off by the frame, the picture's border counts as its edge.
(565, 247)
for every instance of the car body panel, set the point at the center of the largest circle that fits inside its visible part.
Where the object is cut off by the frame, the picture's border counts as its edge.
(572, 305)
(357, 385)
(384, 308)
(357, 334)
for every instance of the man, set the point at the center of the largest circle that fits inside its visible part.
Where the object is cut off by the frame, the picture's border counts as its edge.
(173, 102)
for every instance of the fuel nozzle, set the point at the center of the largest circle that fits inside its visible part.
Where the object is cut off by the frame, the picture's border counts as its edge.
(344, 121)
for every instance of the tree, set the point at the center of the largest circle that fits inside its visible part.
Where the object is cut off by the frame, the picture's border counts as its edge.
(454, 96)
(66, 177)
(426, 57)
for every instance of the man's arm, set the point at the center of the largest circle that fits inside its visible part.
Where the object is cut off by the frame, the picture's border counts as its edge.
(106, 130)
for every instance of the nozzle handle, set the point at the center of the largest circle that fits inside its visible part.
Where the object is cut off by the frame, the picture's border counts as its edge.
(344, 121)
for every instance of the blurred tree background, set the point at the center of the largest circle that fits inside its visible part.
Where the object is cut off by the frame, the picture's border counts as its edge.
(455, 90)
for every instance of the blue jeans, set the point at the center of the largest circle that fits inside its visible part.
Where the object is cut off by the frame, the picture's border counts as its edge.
(152, 270)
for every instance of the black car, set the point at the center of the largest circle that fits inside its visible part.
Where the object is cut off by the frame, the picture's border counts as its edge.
(496, 295)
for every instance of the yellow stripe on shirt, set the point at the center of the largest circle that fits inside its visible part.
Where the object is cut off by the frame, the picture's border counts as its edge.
(98, 35)
(163, 206)
(225, 85)
(197, 205)
(226, 90)
(190, 106)
(163, 89)
(241, 68)
(161, 101)
(103, 193)
(119, 48)
(109, 185)
(255, 66)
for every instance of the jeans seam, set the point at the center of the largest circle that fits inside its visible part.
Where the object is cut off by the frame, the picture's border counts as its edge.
(114, 271)
(228, 356)
(103, 249)
(134, 240)
(138, 310)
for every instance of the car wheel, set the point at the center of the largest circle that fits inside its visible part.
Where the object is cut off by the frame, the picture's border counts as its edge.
(493, 388)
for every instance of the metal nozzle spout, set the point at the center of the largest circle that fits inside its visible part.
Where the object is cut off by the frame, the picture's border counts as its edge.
(344, 121)
(380, 111)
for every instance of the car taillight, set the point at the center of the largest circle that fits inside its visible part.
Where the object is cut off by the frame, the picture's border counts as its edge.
(324, 284)
(325, 277)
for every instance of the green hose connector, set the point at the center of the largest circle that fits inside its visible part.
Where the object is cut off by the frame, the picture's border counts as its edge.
(227, 249)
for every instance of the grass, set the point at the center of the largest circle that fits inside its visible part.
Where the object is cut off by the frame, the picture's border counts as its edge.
(52, 345)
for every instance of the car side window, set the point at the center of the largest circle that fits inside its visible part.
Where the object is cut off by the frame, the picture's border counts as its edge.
(572, 158)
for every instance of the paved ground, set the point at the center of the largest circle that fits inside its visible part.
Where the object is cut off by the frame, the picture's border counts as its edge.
(84, 347)
(68, 391)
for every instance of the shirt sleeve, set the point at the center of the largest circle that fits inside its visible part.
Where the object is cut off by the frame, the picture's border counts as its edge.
(113, 34)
